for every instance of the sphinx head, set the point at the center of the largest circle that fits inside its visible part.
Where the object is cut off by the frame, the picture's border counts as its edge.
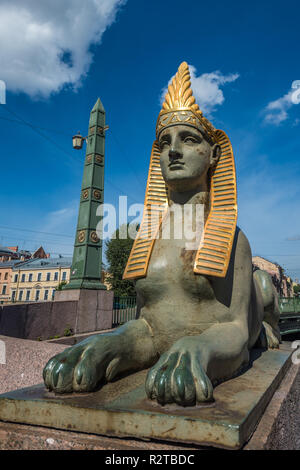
(187, 140)
(187, 156)
(197, 164)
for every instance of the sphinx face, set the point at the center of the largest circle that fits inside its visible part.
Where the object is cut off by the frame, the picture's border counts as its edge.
(185, 159)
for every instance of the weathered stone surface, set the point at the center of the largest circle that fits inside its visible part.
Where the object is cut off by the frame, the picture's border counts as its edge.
(80, 311)
(279, 428)
(63, 317)
(13, 320)
(104, 313)
(94, 308)
(23, 437)
(38, 320)
(87, 307)
(105, 299)
(25, 360)
(122, 409)
(63, 295)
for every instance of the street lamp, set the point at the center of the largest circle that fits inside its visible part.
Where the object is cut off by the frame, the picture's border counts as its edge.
(78, 138)
(78, 141)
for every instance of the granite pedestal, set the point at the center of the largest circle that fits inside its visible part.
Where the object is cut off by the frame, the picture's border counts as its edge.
(94, 308)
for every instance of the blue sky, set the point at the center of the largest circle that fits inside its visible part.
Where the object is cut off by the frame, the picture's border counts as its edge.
(57, 57)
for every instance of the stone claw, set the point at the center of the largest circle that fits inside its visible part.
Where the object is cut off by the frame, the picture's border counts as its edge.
(178, 377)
(82, 367)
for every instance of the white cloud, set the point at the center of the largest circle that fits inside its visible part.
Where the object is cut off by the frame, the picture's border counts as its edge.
(276, 111)
(207, 89)
(45, 45)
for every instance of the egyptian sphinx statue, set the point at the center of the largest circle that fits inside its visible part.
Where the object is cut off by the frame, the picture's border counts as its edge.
(202, 310)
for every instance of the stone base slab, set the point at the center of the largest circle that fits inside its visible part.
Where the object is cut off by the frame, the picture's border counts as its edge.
(121, 408)
(279, 429)
(24, 437)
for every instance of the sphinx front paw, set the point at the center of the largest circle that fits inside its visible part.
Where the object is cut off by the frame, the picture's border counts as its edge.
(82, 367)
(178, 377)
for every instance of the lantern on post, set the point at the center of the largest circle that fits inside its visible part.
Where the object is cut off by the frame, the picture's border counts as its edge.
(78, 141)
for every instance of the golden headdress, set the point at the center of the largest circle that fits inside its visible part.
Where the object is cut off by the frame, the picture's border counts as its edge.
(180, 106)
(213, 255)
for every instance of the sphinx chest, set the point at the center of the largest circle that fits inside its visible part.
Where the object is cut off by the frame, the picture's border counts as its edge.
(170, 272)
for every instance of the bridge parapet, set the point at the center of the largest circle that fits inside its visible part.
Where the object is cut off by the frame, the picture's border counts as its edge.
(289, 304)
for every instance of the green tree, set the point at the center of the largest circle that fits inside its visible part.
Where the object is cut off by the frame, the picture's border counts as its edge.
(297, 289)
(60, 285)
(117, 253)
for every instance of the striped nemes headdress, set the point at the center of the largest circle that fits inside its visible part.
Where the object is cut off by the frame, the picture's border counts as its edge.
(214, 251)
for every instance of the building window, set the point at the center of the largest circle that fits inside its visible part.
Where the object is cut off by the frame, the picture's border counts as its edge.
(13, 296)
(30, 278)
(20, 295)
(64, 276)
(28, 295)
(46, 294)
(37, 295)
(53, 294)
(48, 277)
(5, 276)
(56, 276)
(16, 278)
(4, 290)
(23, 278)
(39, 276)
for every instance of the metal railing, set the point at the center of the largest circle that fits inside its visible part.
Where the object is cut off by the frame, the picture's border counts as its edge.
(289, 304)
(124, 309)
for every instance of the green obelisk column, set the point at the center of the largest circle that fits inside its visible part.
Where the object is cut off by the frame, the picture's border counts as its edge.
(87, 256)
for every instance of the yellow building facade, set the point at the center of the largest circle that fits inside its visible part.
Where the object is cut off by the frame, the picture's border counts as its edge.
(35, 280)
(5, 280)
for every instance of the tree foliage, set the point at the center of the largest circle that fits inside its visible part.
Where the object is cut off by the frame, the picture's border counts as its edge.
(60, 285)
(297, 289)
(117, 253)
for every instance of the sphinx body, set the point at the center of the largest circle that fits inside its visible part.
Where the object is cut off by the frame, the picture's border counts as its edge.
(194, 330)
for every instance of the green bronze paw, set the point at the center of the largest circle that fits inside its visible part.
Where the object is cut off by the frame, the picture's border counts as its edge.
(178, 377)
(82, 367)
